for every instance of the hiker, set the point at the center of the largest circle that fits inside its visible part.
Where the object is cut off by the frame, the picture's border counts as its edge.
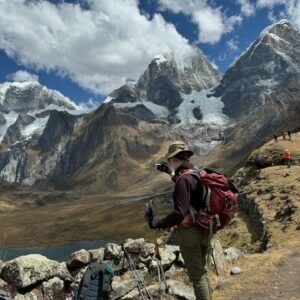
(289, 134)
(288, 157)
(193, 243)
(283, 135)
(275, 138)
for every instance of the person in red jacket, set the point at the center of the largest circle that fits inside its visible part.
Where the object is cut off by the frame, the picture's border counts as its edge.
(288, 157)
(194, 244)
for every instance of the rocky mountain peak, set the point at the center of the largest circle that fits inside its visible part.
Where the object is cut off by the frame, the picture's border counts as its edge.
(14, 96)
(266, 65)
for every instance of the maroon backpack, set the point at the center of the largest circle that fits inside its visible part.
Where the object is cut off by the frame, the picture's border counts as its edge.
(219, 199)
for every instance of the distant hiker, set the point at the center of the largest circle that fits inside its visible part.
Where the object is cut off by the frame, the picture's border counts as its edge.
(283, 135)
(288, 157)
(289, 134)
(275, 138)
(194, 244)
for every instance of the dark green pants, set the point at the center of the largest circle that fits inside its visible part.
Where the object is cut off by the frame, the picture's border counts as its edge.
(194, 247)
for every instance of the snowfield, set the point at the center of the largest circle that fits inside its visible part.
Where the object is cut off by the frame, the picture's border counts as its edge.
(211, 108)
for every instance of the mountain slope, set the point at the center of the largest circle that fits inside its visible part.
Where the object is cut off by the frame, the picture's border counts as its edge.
(261, 110)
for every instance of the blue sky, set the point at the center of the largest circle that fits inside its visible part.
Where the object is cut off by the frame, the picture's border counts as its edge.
(85, 49)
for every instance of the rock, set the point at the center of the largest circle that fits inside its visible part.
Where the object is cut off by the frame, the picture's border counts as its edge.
(78, 275)
(222, 283)
(113, 252)
(27, 270)
(172, 248)
(222, 264)
(97, 254)
(53, 288)
(148, 249)
(180, 290)
(35, 294)
(179, 261)
(121, 287)
(235, 271)
(79, 259)
(63, 273)
(146, 261)
(167, 258)
(1, 265)
(232, 253)
(174, 271)
(134, 246)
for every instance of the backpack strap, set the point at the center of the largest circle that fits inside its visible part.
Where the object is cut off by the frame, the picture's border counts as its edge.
(206, 189)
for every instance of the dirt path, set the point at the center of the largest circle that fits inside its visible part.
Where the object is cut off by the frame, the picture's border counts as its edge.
(282, 283)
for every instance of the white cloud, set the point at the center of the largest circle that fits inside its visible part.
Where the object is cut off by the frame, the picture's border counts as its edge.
(22, 76)
(212, 22)
(97, 47)
(233, 45)
(247, 8)
(90, 104)
(269, 3)
(291, 10)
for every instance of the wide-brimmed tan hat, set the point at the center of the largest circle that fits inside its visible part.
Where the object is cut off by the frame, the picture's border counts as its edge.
(176, 148)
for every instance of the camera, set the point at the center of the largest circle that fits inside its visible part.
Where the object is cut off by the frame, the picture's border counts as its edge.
(163, 167)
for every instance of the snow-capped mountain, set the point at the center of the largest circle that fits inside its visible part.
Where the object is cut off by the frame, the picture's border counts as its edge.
(261, 91)
(267, 65)
(30, 96)
(115, 146)
(174, 93)
(22, 106)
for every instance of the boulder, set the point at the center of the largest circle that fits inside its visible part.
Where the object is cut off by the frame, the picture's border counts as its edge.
(113, 252)
(79, 259)
(27, 270)
(167, 259)
(53, 288)
(35, 294)
(134, 246)
(173, 248)
(180, 290)
(97, 254)
(220, 261)
(232, 253)
(147, 250)
(63, 273)
(175, 272)
(78, 275)
(121, 287)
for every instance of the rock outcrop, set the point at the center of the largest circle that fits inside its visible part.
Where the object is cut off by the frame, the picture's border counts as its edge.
(36, 277)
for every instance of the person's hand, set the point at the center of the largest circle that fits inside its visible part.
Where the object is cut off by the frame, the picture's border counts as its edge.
(154, 223)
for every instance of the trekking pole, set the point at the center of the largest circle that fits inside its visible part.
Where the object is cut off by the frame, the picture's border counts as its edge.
(159, 263)
(140, 281)
(149, 215)
(211, 251)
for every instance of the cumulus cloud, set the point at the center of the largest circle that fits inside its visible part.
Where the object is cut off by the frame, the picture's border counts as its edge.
(232, 44)
(269, 3)
(90, 104)
(98, 44)
(291, 10)
(247, 8)
(22, 76)
(211, 21)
